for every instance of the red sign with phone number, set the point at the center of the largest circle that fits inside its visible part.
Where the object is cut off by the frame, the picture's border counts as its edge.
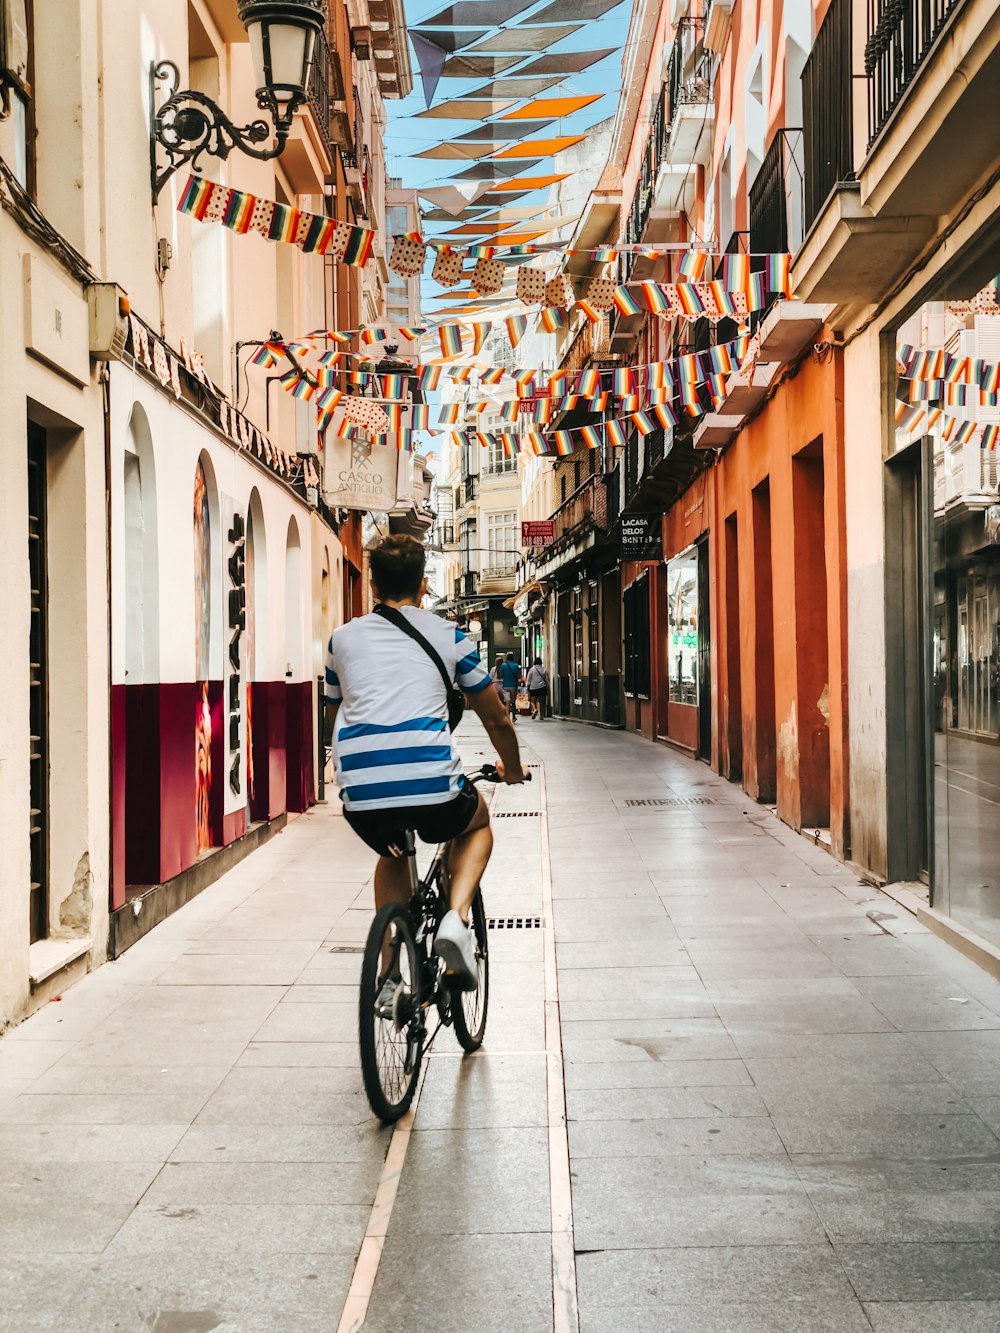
(537, 534)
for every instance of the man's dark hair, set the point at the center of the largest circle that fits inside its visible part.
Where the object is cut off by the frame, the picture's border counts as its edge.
(397, 567)
(510, 657)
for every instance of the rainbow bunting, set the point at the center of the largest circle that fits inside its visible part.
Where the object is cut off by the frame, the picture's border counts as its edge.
(450, 338)
(371, 335)
(304, 390)
(624, 381)
(605, 254)
(480, 332)
(536, 441)
(615, 433)
(591, 436)
(779, 274)
(195, 197)
(934, 415)
(448, 414)
(588, 383)
(756, 295)
(625, 302)
(720, 360)
(509, 411)
(562, 442)
(509, 441)
(516, 328)
(493, 376)
(553, 317)
(327, 399)
(239, 212)
(991, 434)
(630, 402)
(599, 402)
(411, 334)
(359, 247)
(590, 313)
(723, 300)
(659, 375)
(692, 266)
(908, 418)
(330, 359)
(989, 377)
(664, 414)
(965, 432)
(462, 374)
(642, 423)
(542, 411)
(688, 369)
(736, 272)
(284, 224)
(689, 300)
(655, 297)
(428, 378)
(956, 369)
(270, 354)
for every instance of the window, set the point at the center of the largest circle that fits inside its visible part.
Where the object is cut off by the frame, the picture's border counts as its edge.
(501, 541)
(636, 607)
(682, 628)
(16, 75)
(498, 460)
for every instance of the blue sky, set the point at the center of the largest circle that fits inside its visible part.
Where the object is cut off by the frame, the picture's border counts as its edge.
(406, 135)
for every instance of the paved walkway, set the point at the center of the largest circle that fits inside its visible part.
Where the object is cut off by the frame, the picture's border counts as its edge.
(783, 1096)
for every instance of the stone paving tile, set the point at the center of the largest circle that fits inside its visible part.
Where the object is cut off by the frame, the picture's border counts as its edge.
(923, 1271)
(627, 1103)
(656, 1074)
(214, 1229)
(738, 1136)
(187, 1184)
(489, 1091)
(934, 1316)
(493, 1283)
(50, 1208)
(937, 1136)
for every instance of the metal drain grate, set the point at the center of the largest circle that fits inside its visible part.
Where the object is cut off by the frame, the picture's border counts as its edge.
(348, 948)
(515, 923)
(673, 800)
(516, 814)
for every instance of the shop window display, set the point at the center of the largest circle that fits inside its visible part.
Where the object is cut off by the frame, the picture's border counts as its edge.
(682, 628)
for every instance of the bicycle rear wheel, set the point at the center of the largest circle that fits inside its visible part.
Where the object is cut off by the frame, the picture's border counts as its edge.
(390, 1034)
(469, 1007)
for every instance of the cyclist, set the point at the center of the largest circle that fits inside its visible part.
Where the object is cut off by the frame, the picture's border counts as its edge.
(396, 763)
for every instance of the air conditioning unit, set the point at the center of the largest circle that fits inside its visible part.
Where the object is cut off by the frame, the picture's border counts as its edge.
(109, 311)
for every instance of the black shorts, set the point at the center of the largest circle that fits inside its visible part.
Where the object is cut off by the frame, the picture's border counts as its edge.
(384, 829)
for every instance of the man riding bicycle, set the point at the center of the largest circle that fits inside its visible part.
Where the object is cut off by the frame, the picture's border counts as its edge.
(396, 762)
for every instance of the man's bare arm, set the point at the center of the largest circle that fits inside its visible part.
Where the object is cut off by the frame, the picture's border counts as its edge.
(493, 715)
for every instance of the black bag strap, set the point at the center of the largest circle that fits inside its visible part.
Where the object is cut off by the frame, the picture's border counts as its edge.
(400, 621)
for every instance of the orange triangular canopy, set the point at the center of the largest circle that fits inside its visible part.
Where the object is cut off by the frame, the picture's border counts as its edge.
(526, 183)
(553, 107)
(540, 147)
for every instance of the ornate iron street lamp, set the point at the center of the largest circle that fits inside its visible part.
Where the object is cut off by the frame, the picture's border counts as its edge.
(283, 37)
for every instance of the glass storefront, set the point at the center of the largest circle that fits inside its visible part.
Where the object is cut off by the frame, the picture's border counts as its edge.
(682, 627)
(966, 708)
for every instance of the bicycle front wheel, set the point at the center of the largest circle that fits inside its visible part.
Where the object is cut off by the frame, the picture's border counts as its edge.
(390, 1020)
(469, 1007)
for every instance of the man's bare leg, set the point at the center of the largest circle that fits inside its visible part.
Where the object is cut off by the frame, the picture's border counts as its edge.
(468, 858)
(392, 880)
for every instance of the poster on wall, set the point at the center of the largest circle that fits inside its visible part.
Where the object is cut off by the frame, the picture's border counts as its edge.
(361, 475)
(642, 536)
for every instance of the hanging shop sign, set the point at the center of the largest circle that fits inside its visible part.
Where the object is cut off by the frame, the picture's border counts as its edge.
(360, 476)
(642, 537)
(538, 533)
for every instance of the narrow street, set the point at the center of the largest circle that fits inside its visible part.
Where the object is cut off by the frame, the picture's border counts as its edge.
(783, 1095)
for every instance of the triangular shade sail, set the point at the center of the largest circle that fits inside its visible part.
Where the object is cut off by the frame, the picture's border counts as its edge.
(563, 62)
(540, 148)
(467, 13)
(494, 132)
(462, 109)
(454, 199)
(492, 170)
(526, 39)
(461, 151)
(516, 88)
(479, 228)
(582, 9)
(552, 108)
(527, 183)
(431, 60)
(464, 215)
(451, 39)
(477, 67)
(521, 237)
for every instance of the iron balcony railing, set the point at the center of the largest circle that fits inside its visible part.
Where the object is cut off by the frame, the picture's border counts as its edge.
(900, 34)
(322, 87)
(690, 68)
(826, 110)
(777, 197)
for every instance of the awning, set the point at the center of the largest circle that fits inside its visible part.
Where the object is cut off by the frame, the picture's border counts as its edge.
(528, 601)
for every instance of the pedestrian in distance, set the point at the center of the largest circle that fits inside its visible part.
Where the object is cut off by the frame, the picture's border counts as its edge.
(537, 682)
(511, 678)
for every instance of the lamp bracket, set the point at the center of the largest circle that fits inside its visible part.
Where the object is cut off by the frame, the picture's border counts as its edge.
(188, 123)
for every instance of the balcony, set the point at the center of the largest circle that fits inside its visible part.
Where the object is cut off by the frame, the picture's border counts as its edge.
(966, 477)
(309, 155)
(498, 575)
(777, 197)
(895, 140)
(690, 90)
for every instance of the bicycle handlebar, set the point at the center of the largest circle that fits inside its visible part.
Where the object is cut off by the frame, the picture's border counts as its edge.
(488, 773)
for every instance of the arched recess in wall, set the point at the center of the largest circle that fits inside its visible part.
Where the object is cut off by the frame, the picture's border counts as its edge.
(142, 581)
(256, 590)
(208, 541)
(294, 652)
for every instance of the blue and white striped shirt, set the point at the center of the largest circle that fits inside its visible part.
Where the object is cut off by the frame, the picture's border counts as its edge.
(391, 738)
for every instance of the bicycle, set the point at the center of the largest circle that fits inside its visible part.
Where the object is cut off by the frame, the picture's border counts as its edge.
(400, 945)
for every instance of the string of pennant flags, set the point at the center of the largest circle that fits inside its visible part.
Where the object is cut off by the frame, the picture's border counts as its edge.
(315, 233)
(933, 379)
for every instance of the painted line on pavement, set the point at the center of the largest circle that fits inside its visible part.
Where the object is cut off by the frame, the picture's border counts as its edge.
(359, 1296)
(565, 1310)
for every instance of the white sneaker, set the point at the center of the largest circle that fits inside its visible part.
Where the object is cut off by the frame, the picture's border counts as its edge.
(455, 943)
(385, 997)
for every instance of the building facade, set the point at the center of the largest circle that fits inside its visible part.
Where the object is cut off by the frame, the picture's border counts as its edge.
(173, 577)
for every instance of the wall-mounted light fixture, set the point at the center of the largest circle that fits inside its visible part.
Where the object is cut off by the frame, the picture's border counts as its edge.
(188, 123)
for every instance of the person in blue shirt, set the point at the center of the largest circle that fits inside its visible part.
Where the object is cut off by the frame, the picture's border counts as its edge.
(510, 679)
